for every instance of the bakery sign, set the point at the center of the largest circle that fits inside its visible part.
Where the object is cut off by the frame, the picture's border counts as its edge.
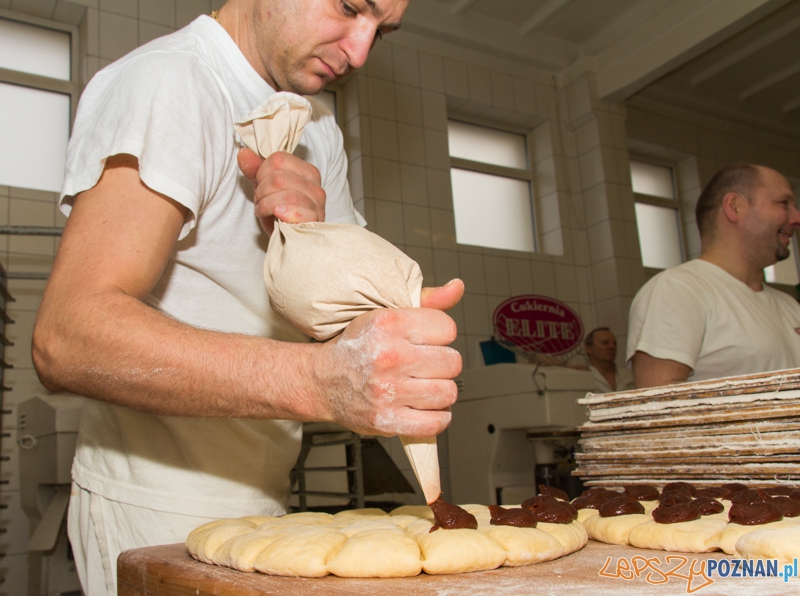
(538, 325)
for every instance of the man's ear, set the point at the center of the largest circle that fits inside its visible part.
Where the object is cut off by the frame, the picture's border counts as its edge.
(732, 206)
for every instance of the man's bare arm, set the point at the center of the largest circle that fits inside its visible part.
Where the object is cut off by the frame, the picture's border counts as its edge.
(655, 372)
(388, 373)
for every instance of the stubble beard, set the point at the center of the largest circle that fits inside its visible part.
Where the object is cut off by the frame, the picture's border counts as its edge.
(783, 252)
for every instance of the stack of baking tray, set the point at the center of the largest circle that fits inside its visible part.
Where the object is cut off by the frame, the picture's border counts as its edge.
(735, 429)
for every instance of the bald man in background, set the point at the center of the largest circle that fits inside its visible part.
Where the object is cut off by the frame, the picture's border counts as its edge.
(713, 316)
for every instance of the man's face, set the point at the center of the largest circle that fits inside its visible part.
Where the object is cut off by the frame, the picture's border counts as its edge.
(603, 348)
(771, 219)
(302, 45)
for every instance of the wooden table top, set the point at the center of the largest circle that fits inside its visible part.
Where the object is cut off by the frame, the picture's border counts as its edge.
(597, 568)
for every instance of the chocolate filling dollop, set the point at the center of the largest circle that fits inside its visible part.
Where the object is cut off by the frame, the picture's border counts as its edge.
(709, 506)
(641, 492)
(517, 517)
(673, 514)
(795, 494)
(734, 487)
(713, 492)
(681, 486)
(754, 514)
(778, 491)
(551, 510)
(788, 507)
(592, 498)
(552, 491)
(750, 496)
(675, 497)
(622, 505)
(451, 517)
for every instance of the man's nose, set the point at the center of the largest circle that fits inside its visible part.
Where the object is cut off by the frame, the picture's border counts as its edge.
(794, 217)
(359, 42)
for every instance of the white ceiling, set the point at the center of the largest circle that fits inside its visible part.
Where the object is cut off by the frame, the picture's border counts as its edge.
(738, 59)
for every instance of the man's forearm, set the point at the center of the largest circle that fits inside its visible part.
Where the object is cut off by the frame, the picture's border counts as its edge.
(121, 351)
(390, 372)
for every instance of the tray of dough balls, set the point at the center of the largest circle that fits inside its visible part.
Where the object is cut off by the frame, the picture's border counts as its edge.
(744, 520)
(439, 539)
(736, 429)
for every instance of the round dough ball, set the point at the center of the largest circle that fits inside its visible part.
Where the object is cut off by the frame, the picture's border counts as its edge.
(418, 511)
(203, 542)
(572, 536)
(241, 551)
(696, 536)
(733, 532)
(771, 543)
(303, 552)
(459, 551)
(614, 530)
(525, 546)
(378, 552)
(360, 514)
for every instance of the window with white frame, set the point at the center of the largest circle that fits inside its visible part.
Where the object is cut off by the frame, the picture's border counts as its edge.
(37, 94)
(492, 187)
(658, 216)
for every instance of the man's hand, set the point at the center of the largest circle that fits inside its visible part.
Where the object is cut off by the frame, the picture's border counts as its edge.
(285, 186)
(391, 372)
(655, 372)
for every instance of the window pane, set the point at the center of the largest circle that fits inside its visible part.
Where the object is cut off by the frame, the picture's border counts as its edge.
(487, 145)
(35, 50)
(37, 123)
(784, 272)
(649, 179)
(659, 236)
(492, 211)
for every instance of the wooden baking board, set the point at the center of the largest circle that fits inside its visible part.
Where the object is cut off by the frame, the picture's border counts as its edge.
(170, 571)
(619, 483)
(764, 383)
(786, 412)
(790, 426)
(755, 471)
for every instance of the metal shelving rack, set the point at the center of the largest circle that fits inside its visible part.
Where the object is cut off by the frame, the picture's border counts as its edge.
(9, 468)
(5, 459)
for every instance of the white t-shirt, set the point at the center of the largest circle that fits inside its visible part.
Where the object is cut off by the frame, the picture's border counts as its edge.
(705, 318)
(172, 103)
(623, 376)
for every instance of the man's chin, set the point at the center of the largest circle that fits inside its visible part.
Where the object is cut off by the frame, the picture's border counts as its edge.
(307, 86)
(783, 252)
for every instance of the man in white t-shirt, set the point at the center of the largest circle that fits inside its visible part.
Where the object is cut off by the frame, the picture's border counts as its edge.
(600, 346)
(156, 310)
(714, 317)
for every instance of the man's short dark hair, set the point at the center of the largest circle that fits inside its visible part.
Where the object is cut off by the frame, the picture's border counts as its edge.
(740, 177)
(589, 339)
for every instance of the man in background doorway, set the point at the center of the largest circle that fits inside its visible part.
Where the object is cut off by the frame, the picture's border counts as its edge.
(601, 348)
(713, 316)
